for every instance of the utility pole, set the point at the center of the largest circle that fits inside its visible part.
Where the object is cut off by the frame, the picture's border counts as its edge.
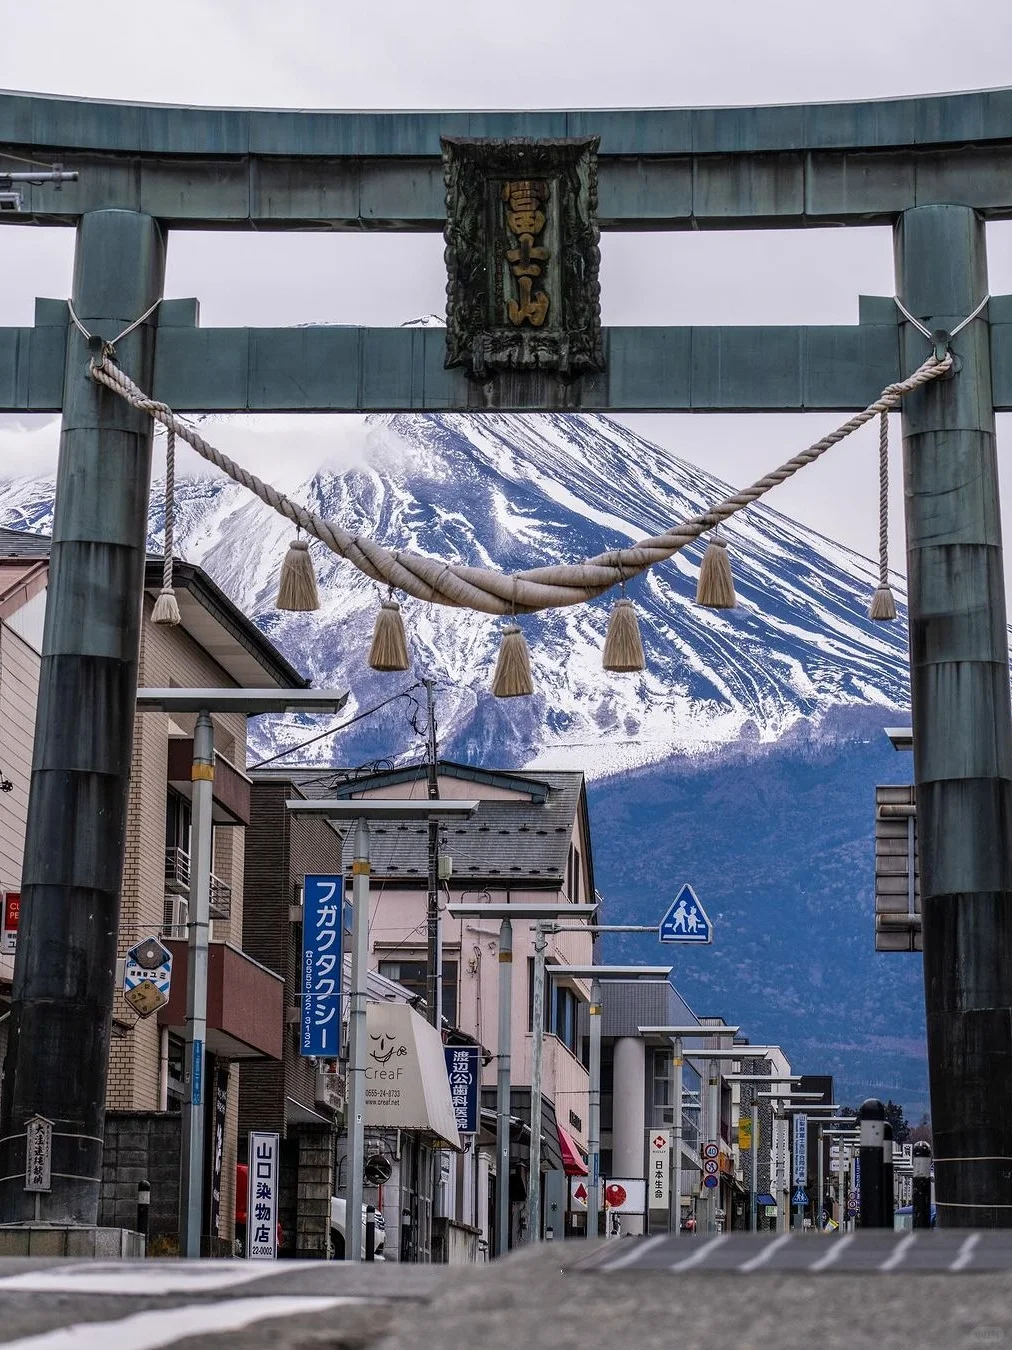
(434, 955)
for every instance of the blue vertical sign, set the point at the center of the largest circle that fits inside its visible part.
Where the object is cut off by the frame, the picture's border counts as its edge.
(463, 1069)
(322, 927)
(197, 1081)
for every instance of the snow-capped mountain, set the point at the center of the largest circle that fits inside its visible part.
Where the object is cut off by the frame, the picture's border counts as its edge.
(514, 492)
(796, 680)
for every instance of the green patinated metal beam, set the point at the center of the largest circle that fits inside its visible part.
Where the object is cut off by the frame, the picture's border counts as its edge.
(334, 369)
(678, 168)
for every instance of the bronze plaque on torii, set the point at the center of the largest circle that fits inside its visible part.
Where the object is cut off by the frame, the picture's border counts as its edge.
(522, 256)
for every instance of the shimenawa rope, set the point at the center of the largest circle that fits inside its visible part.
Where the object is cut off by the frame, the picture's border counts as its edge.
(481, 589)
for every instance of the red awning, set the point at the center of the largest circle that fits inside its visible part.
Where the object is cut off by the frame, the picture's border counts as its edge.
(571, 1160)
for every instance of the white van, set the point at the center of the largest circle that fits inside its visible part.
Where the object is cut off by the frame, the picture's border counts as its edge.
(338, 1214)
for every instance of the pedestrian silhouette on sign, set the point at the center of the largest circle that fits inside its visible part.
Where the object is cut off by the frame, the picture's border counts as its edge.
(679, 923)
(693, 920)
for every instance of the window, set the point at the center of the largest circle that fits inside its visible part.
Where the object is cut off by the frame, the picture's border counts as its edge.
(573, 875)
(566, 1006)
(177, 821)
(561, 1010)
(413, 976)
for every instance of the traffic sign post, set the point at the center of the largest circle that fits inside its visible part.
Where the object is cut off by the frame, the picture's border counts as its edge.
(686, 919)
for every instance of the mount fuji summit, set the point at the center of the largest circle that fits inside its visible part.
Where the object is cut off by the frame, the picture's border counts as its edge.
(743, 759)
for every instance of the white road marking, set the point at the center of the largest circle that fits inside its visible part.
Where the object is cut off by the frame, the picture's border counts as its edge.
(700, 1255)
(766, 1254)
(156, 1277)
(834, 1253)
(965, 1254)
(165, 1326)
(899, 1252)
(634, 1252)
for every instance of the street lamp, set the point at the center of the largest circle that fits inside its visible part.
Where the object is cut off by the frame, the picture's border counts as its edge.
(505, 913)
(597, 976)
(204, 702)
(362, 810)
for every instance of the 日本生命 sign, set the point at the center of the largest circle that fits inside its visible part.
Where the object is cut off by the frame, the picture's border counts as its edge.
(262, 1198)
(657, 1176)
(322, 929)
(463, 1070)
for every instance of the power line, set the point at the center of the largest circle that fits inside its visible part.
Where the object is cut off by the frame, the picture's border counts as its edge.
(368, 712)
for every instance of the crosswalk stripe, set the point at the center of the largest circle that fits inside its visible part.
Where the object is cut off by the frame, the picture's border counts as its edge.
(633, 1252)
(839, 1246)
(700, 1255)
(168, 1277)
(965, 1254)
(766, 1254)
(899, 1252)
(166, 1326)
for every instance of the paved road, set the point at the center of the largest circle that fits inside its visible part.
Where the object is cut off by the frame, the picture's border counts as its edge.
(944, 1290)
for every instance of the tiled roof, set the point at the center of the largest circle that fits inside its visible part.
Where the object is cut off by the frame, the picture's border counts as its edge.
(21, 544)
(516, 842)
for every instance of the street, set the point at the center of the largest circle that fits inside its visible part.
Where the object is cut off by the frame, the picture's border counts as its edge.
(944, 1290)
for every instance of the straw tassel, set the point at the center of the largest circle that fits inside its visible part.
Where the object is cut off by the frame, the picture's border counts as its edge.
(297, 585)
(623, 649)
(883, 603)
(389, 650)
(715, 587)
(166, 610)
(512, 676)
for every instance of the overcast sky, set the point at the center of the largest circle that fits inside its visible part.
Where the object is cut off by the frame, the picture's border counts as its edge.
(558, 53)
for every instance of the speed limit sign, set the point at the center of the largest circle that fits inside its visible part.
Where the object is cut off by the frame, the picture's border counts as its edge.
(710, 1150)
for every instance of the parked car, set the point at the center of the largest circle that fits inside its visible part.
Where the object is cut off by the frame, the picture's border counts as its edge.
(338, 1214)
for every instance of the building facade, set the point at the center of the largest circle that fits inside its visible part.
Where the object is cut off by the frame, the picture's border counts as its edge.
(214, 646)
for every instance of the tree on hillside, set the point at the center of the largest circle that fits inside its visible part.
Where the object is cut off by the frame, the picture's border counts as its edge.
(899, 1122)
(921, 1131)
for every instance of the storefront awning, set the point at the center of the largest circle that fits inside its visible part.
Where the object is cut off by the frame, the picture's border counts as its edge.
(765, 1199)
(571, 1161)
(406, 1084)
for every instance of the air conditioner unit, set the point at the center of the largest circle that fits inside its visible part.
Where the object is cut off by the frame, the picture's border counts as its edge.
(175, 916)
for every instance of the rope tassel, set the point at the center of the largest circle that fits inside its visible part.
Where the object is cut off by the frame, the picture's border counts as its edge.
(883, 603)
(389, 650)
(512, 677)
(715, 587)
(623, 648)
(297, 584)
(166, 610)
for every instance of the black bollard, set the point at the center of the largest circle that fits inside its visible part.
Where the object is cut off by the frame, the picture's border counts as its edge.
(143, 1208)
(370, 1232)
(888, 1191)
(922, 1184)
(871, 1114)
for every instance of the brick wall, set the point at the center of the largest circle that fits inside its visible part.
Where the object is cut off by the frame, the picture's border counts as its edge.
(280, 850)
(142, 1145)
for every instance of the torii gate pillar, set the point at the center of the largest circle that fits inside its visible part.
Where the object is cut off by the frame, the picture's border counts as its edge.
(961, 719)
(61, 1010)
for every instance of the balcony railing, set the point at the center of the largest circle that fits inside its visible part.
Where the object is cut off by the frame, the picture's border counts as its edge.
(177, 882)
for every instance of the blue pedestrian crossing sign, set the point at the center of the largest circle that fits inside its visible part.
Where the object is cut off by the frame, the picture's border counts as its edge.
(686, 920)
(800, 1198)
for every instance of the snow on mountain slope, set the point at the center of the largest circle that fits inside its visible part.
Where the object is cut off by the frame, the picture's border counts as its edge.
(515, 492)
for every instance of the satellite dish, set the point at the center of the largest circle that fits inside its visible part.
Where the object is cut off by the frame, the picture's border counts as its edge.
(377, 1170)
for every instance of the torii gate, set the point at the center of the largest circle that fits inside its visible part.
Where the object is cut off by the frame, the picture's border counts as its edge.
(934, 168)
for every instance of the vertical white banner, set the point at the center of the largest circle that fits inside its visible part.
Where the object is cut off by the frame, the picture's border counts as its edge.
(780, 1154)
(658, 1168)
(800, 1149)
(262, 1199)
